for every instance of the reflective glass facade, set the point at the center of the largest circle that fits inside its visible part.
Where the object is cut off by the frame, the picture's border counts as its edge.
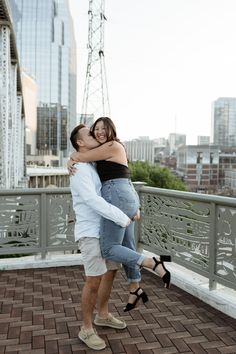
(224, 121)
(47, 51)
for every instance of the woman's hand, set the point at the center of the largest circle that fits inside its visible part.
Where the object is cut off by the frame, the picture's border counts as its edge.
(74, 156)
(70, 167)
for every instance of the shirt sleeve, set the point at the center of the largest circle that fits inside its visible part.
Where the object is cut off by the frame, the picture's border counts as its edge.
(83, 186)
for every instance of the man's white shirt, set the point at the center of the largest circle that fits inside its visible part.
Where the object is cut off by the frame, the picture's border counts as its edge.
(88, 204)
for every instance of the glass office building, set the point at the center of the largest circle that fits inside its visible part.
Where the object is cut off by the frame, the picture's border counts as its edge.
(224, 121)
(47, 51)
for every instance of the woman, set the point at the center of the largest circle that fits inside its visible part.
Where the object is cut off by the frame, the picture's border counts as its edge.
(118, 244)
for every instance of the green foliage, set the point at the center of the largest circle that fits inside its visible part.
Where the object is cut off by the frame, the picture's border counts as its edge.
(155, 176)
(139, 171)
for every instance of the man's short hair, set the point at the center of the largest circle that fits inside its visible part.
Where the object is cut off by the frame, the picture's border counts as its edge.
(74, 136)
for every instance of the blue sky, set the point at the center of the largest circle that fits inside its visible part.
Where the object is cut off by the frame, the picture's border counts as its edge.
(166, 60)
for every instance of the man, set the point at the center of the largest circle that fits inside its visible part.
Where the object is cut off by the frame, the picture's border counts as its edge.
(89, 207)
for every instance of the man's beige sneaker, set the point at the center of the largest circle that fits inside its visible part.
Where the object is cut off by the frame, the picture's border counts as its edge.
(110, 321)
(91, 339)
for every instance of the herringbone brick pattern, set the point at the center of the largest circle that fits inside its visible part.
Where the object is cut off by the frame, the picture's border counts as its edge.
(40, 313)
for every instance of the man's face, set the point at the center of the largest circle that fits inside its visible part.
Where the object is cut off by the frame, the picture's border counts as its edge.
(87, 140)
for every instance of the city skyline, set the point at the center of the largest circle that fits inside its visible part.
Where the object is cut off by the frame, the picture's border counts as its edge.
(167, 62)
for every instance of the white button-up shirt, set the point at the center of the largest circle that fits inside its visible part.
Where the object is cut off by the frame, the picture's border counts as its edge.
(88, 204)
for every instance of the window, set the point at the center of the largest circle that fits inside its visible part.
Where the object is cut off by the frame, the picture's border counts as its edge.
(199, 157)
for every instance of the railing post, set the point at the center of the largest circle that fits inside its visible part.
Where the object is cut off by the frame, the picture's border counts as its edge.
(43, 223)
(137, 230)
(212, 250)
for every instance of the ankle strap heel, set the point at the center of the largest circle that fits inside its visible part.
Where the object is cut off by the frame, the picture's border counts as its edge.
(165, 258)
(166, 277)
(142, 295)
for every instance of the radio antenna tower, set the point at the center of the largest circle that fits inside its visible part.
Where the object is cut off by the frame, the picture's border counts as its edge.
(95, 97)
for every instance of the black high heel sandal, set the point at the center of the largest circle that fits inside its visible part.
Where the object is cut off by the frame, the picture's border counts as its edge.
(166, 277)
(165, 258)
(162, 259)
(142, 296)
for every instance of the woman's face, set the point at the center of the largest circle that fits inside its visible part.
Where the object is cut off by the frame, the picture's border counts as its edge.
(100, 132)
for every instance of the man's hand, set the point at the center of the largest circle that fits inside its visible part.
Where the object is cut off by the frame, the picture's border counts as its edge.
(136, 216)
(70, 167)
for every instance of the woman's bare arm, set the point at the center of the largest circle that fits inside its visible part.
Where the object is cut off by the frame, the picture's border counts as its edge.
(109, 151)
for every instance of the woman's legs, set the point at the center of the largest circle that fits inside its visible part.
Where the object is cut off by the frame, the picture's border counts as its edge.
(112, 248)
(117, 244)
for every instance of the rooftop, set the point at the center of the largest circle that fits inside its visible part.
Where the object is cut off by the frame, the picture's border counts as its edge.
(40, 312)
(40, 307)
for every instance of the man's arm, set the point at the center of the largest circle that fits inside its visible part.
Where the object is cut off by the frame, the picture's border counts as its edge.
(82, 185)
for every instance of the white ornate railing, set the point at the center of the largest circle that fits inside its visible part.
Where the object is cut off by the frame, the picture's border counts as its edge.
(36, 221)
(199, 231)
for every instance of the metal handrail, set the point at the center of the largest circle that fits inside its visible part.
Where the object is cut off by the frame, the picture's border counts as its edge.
(197, 230)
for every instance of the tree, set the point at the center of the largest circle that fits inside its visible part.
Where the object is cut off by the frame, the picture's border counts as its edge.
(155, 176)
(139, 171)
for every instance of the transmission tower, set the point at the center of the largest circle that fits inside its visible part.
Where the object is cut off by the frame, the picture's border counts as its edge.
(95, 97)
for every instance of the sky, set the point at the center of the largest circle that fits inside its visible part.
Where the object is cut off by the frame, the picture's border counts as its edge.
(166, 62)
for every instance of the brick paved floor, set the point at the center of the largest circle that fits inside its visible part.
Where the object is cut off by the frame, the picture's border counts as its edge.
(40, 312)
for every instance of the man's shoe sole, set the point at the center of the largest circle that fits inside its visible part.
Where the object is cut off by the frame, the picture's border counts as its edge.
(107, 324)
(91, 346)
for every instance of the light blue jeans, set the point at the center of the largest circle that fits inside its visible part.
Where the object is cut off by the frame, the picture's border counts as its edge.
(118, 243)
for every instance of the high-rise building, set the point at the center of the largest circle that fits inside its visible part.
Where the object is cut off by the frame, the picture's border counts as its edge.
(12, 113)
(203, 140)
(224, 121)
(175, 141)
(198, 165)
(30, 104)
(47, 51)
(141, 149)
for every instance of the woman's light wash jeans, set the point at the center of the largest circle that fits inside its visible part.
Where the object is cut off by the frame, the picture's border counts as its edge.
(118, 243)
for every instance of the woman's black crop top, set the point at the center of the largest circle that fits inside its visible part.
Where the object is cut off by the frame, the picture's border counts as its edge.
(111, 170)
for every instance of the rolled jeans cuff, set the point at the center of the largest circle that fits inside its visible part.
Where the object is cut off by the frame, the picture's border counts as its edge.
(138, 280)
(141, 259)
